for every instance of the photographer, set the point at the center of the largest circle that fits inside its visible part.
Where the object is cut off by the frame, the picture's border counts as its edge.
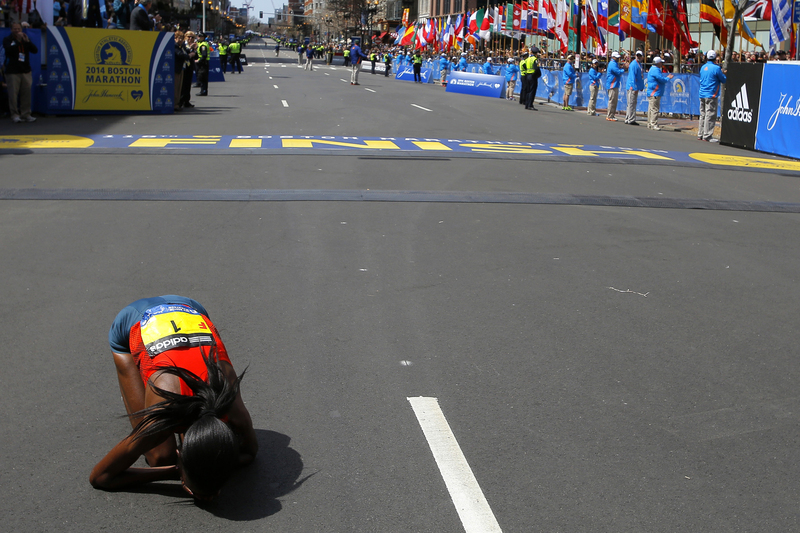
(18, 48)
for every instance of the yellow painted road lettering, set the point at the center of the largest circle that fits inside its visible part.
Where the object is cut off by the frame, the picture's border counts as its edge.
(751, 162)
(44, 141)
(163, 143)
(594, 153)
(245, 143)
(309, 143)
(504, 148)
(431, 145)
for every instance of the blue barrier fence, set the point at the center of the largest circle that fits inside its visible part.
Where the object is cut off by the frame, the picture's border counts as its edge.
(681, 95)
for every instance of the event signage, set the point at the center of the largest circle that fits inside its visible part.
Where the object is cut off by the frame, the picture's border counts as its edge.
(477, 84)
(94, 70)
(406, 73)
(740, 108)
(779, 110)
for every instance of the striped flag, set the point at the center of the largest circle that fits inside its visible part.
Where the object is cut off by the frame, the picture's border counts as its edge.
(709, 12)
(780, 28)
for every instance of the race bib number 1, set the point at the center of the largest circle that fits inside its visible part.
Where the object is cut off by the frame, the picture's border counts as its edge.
(169, 326)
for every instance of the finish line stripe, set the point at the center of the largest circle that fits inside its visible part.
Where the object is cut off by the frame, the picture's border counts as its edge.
(355, 195)
(471, 505)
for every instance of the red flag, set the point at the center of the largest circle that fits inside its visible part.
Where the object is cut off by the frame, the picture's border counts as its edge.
(517, 16)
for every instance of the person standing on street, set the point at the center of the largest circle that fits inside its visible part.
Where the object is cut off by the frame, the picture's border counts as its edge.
(346, 54)
(568, 76)
(387, 63)
(417, 67)
(202, 65)
(711, 79)
(656, 84)
(635, 84)
(140, 19)
(356, 55)
(223, 56)
(512, 75)
(613, 81)
(309, 58)
(18, 48)
(235, 51)
(533, 73)
(523, 78)
(594, 88)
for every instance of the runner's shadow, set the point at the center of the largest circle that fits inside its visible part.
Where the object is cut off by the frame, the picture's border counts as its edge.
(252, 492)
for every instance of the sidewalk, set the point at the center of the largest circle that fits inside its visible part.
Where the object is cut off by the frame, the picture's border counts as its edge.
(665, 122)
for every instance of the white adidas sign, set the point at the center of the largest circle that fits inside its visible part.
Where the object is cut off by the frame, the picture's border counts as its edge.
(740, 110)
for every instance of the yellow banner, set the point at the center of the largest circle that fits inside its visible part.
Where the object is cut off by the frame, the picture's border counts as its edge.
(110, 70)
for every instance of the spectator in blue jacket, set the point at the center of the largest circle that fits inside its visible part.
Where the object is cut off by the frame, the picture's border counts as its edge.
(613, 81)
(656, 84)
(635, 84)
(594, 88)
(711, 79)
(568, 77)
(512, 75)
(356, 55)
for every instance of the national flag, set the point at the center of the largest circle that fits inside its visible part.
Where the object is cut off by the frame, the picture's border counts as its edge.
(408, 35)
(760, 9)
(459, 32)
(590, 28)
(709, 12)
(517, 20)
(486, 25)
(533, 17)
(634, 18)
(744, 30)
(544, 15)
(400, 31)
(509, 17)
(473, 22)
(562, 25)
(523, 19)
(780, 28)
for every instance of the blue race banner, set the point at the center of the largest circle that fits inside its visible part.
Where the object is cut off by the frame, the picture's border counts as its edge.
(113, 71)
(406, 73)
(779, 110)
(477, 84)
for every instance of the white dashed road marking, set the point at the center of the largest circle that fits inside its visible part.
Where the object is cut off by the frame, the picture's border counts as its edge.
(285, 103)
(471, 505)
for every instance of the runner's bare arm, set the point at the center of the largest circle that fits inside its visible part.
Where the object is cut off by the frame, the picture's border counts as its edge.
(114, 470)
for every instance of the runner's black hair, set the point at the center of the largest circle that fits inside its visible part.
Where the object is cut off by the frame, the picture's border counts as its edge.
(210, 450)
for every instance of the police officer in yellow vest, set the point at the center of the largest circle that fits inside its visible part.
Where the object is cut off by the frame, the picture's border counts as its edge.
(523, 79)
(373, 57)
(202, 64)
(223, 56)
(346, 53)
(532, 74)
(417, 67)
(235, 50)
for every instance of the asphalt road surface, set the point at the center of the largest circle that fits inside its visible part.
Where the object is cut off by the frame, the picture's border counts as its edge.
(527, 322)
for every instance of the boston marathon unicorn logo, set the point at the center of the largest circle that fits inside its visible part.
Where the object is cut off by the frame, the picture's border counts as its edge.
(113, 50)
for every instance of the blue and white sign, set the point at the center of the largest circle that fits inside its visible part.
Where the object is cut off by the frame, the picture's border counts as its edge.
(779, 110)
(406, 73)
(477, 84)
(797, 12)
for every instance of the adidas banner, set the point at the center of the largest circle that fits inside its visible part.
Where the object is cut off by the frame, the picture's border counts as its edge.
(739, 117)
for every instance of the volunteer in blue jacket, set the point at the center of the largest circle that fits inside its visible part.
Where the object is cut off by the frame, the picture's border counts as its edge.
(594, 88)
(444, 66)
(568, 78)
(635, 84)
(711, 79)
(656, 84)
(487, 67)
(512, 75)
(613, 81)
(462, 63)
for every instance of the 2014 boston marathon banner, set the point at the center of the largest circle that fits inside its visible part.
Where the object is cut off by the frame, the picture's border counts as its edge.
(109, 71)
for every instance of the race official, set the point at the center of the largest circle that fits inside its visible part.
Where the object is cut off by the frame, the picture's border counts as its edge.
(18, 47)
(512, 75)
(202, 65)
(635, 84)
(594, 88)
(711, 79)
(613, 81)
(356, 55)
(656, 85)
(568, 76)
